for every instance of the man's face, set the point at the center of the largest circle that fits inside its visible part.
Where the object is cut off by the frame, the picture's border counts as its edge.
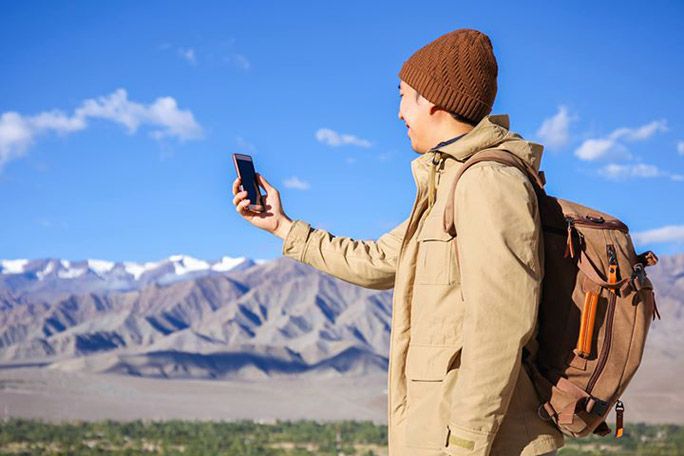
(414, 110)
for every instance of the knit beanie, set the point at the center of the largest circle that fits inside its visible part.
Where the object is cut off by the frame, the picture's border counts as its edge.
(456, 72)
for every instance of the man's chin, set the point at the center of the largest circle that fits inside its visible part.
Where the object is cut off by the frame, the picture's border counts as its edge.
(418, 150)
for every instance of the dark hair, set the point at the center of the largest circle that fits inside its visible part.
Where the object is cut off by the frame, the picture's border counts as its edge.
(460, 118)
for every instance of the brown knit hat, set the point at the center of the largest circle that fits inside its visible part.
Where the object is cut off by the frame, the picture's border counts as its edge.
(456, 72)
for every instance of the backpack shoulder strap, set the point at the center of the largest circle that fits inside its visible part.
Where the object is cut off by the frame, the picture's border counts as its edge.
(496, 155)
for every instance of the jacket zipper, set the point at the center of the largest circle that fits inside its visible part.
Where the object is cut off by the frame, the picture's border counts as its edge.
(612, 260)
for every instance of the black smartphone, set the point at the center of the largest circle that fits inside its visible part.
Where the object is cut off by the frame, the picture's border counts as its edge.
(244, 166)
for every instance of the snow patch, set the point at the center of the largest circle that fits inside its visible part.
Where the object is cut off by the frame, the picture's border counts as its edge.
(137, 270)
(13, 266)
(227, 263)
(46, 270)
(101, 266)
(183, 264)
(71, 273)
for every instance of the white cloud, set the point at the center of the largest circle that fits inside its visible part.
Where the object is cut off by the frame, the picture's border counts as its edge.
(680, 147)
(611, 145)
(333, 138)
(163, 113)
(640, 133)
(18, 132)
(554, 131)
(15, 136)
(591, 149)
(615, 171)
(188, 55)
(668, 233)
(296, 183)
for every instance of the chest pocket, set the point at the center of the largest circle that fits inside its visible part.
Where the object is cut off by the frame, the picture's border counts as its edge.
(436, 263)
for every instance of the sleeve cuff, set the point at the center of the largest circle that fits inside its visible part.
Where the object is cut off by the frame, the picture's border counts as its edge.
(460, 441)
(294, 244)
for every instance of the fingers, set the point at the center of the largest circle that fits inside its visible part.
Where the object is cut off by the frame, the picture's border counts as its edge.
(236, 185)
(238, 196)
(264, 183)
(241, 207)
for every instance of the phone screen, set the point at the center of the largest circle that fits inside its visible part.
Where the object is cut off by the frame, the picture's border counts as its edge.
(248, 179)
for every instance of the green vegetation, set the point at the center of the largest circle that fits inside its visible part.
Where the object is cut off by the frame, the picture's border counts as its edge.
(283, 438)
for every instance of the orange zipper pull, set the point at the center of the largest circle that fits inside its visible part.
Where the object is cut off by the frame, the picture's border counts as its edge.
(619, 417)
(587, 320)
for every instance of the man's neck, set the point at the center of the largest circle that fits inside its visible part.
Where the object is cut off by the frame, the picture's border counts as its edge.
(451, 133)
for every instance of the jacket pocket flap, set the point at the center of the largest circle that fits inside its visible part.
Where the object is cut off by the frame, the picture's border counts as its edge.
(429, 362)
(433, 230)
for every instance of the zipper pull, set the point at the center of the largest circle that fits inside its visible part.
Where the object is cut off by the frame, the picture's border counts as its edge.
(432, 185)
(619, 417)
(612, 266)
(569, 247)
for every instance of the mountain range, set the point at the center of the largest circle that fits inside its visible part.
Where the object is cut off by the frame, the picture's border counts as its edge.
(232, 318)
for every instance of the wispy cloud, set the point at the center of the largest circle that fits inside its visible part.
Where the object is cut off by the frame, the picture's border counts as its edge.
(680, 147)
(384, 155)
(335, 139)
(296, 183)
(18, 132)
(244, 144)
(239, 60)
(616, 171)
(668, 233)
(612, 145)
(188, 54)
(554, 132)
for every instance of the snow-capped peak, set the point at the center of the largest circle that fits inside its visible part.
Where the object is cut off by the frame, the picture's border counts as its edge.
(101, 266)
(183, 264)
(137, 269)
(13, 266)
(227, 263)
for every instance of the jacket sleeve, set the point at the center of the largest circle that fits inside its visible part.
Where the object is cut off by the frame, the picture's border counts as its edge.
(498, 240)
(367, 263)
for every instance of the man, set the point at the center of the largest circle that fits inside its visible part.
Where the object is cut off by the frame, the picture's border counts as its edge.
(464, 305)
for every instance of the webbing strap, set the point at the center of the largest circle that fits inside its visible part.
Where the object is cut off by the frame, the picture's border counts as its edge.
(496, 155)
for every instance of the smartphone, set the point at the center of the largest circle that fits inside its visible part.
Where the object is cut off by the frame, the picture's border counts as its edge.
(244, 166)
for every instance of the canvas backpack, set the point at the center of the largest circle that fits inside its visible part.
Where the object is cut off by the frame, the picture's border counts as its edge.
(595, 311)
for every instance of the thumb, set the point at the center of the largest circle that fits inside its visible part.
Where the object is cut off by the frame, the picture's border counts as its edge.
(264, 182)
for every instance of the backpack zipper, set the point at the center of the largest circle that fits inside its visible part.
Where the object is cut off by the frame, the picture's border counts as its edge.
(599, 222)
(608, 336)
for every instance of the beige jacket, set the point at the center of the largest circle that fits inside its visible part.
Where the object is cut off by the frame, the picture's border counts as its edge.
(455, 382)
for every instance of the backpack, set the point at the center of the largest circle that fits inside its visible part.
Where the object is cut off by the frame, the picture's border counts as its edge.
(595, 311)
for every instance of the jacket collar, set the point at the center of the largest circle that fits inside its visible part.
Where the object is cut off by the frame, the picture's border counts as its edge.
(488, 132)
(492, 131)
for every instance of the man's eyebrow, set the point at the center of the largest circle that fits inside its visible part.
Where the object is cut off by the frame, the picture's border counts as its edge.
(399, 87)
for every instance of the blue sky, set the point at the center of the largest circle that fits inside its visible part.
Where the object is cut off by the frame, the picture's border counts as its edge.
(118, 119)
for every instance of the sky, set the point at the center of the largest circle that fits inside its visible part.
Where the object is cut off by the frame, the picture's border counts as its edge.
(118, 119)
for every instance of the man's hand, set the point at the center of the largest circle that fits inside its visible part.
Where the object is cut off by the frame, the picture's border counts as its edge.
(273, 219)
